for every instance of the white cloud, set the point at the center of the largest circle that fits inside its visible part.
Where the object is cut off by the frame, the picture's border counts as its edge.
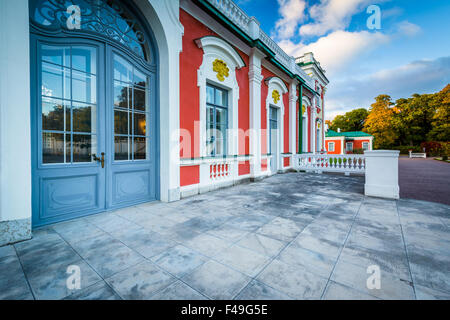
(331, 15)
(422, 76)
(292, 13)
(407, 28)
(335, 50)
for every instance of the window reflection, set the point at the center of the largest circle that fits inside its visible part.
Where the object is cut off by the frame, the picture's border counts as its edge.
(130, 111)
(53, 150)
(68, 103)
(216, 121)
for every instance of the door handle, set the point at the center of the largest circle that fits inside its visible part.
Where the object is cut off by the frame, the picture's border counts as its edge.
(101, 160)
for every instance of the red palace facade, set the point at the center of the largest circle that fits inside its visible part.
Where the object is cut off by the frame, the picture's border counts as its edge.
(125, 102)
(264, 118)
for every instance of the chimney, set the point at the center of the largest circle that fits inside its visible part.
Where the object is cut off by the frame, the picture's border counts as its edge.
(339, 130)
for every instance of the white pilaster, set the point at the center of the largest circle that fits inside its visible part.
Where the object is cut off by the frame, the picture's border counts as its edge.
(15, 123)
(255, 78)
(292, 116)
(313, 132)
(163, 18)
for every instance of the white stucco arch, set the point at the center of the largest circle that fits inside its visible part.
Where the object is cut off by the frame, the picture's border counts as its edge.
(215, 48)
(163, 19)
(275, 83)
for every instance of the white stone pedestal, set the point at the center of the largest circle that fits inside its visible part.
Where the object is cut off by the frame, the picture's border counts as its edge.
(382, 174)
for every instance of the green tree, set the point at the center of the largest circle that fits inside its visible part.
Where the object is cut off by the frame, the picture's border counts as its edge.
(350, 121)
(412, 119)
(379, 122)
(440, 125)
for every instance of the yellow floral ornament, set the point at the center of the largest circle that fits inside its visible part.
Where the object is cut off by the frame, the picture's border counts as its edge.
(275, 96)
(303, 110)
(221, 68)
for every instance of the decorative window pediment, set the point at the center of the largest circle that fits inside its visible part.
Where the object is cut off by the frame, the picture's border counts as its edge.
(108, 18)
(276, 90)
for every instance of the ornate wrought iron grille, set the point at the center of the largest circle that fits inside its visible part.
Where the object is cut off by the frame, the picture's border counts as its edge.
(105, 17)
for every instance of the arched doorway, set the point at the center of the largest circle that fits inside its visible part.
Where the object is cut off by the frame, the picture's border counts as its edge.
(93, 110)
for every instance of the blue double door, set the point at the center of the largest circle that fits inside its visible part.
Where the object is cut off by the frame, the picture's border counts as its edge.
(94, 130)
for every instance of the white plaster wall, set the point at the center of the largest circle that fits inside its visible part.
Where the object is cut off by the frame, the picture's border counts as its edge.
(15, 142)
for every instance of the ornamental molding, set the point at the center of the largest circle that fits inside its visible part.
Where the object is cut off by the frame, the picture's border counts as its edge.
(221, 69)
(213, 45)
(109, 19)
(275, 96)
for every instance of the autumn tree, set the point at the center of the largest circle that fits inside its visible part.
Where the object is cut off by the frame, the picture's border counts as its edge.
(350, 121)
(379, 122)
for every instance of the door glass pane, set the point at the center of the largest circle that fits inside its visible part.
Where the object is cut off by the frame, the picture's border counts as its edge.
(121, 122)
(140, 148)
(121, 148)
(122, 69)
(139, 100)
(140, 122)
(122, 97)
(84, 117)
(59, 55)
(139, 78)
(84, 59)
(83, 147)
(52, 147)
(55, 81)
(53, 112)
(84, 87)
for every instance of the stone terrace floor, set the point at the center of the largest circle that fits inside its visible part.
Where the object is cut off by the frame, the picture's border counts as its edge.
(291, 236)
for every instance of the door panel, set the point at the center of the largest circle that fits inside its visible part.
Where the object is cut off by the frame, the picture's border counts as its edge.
(131, 140)
(67, 181)
(69, 194)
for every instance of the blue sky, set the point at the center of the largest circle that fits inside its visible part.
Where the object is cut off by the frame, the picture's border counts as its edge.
(409, 54)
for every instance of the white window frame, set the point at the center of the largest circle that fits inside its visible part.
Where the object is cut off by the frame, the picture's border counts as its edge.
(366, 143)
(347, 144)
(331, 149)
(216, 48)
(275, 83)
(305, 135)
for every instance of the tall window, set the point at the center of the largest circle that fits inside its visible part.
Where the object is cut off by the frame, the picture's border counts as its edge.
(349, 146)
(365, 145)
(273, 126)
(331, 146)
(216, 121)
